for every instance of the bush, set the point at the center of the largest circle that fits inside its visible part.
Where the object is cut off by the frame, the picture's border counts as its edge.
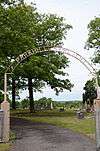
(24, 104)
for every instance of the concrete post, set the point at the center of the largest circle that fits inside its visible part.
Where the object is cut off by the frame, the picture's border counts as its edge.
(5, 106)
(97, 108)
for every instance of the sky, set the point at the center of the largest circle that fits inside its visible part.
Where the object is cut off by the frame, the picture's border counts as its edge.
(78, 13)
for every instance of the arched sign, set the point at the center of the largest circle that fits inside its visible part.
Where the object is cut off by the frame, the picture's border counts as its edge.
(65, 51)
(29, 53)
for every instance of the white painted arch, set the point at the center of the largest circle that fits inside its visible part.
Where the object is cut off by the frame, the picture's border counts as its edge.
(65, 51)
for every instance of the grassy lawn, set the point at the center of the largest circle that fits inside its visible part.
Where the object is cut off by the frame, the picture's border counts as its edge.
(65, 119)
(4, 147)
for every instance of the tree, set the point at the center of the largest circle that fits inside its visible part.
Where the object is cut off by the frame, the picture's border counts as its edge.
(94, 37)
(24, 28)
(25, 103)
(44, 69)
(16, 33)
(90, 92)
(1, 97)
(17, 28)
(94, 41)
(44, 103)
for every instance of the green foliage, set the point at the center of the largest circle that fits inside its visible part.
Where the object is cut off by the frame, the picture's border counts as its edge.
(90, 92)
(59, 104)
(94, 37)
(24, 103)
(9, 3)
(17, 104)
(23, 28)
(17, 27)
(43, 103)
(44, 69)
(1, 97)
(73, 104)
(4, 146)
(63, 119)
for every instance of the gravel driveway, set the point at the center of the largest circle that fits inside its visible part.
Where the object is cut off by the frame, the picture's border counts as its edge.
(45, 137)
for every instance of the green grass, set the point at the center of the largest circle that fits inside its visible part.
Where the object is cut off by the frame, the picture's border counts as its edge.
(65, 119)
(12, 136)
(4, 147)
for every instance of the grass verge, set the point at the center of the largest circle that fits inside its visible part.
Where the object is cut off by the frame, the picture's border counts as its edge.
(6, 146)
(65, 119)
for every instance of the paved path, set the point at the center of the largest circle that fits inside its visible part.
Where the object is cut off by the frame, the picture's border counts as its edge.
(44, 137)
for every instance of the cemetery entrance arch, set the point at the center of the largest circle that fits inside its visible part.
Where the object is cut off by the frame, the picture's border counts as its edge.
(66, 52)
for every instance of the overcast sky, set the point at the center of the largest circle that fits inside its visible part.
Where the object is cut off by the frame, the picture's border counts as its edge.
(78, 13)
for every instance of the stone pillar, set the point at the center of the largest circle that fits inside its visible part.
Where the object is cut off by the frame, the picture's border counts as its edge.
(5, 106)
(97, 109)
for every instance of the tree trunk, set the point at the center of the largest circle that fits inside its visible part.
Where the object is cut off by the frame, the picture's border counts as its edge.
(13, 94)
(30, 88)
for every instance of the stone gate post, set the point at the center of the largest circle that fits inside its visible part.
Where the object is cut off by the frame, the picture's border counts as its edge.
(5, 106)
(97, 109)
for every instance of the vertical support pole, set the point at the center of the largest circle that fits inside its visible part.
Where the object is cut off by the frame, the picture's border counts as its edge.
(5, 87)
(97, 105)
(5, 106)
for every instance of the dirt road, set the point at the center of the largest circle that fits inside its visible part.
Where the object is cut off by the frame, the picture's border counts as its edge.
(44, 137)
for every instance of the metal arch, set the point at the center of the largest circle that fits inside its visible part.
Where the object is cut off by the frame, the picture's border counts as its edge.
(77, 56)
(66, 51)
(22, 57)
